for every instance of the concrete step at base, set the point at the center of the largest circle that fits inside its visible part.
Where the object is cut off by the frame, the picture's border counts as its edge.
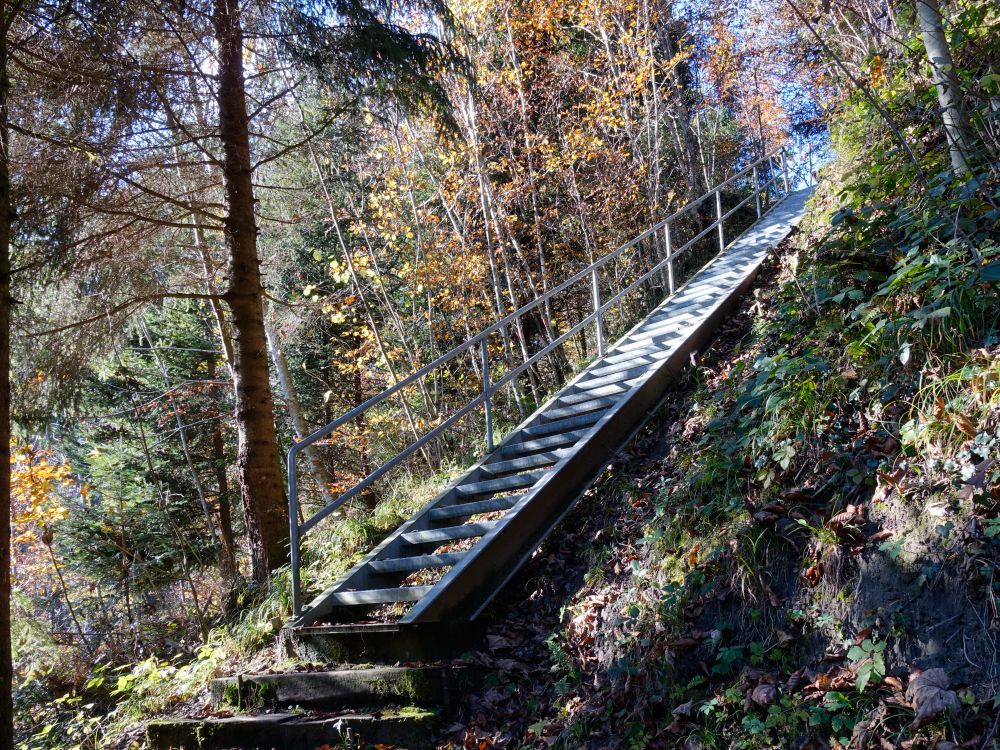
(414, 730)
(380, 643)
(333, 690)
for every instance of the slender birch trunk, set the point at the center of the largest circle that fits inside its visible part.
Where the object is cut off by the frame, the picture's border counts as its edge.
(949, 88)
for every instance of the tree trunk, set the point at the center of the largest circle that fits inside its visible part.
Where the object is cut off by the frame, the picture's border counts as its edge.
(228, 562)
(6, 217)
(319, 473)
(257, 463)
(687, 145)
(949, 89)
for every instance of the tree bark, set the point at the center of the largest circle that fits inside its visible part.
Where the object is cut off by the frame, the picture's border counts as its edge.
(257, 463)
(319, 473)
(228, 562)
(949, 88)
(6, 217)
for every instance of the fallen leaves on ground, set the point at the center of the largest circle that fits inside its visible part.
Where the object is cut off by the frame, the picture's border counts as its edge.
(928, 692)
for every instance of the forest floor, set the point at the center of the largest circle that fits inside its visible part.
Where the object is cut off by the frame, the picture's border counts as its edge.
(825, 609)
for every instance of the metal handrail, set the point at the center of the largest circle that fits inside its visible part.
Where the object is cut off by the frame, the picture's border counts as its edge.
(297, 530)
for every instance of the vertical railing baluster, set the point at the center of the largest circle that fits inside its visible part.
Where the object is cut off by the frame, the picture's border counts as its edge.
(784, 169)
(718, 214)
(293, 529)
(484, 354)
(595, 290)
(670, 256)
(756, 189)
(663, 271)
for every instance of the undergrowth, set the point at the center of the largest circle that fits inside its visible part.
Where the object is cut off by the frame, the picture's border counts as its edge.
(107, 705)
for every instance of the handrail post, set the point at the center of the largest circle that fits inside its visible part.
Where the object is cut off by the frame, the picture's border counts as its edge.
(718, 214)
(670, 256)
(784, 169)
(484, 353)
(756, 189)
(595, 289)
(293, 532)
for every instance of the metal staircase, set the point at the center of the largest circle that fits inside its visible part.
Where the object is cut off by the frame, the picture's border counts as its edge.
(479, 530)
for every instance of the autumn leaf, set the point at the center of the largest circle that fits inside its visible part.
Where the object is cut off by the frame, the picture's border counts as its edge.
(963, 423)
(764, 695)
(928, 692)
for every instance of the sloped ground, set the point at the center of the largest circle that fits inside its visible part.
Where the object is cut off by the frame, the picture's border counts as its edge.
(817, 584)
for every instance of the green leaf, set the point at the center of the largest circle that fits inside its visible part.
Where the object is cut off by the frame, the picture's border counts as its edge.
(864, 676)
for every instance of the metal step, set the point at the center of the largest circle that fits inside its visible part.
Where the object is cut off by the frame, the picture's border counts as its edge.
(464, 510)
(543, 429)
(614, 358)
(449, 533)
(417, 562)
(619, 377)
(584, 407)
(670, 328)
(528, 447)
(379, 596)
(576, 397)
(534, 461)
(504, 484)
(631, 363)
(584, 387)
(664, 339)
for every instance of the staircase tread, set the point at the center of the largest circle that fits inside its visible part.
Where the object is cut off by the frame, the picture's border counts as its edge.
(534, 461)
(381, 596)
(622, 376)
(544, 429)
(449, 533)
(416, 562)
(502, 484)
(584, 407)
(577, 396)
(470, 509)
(527, 447)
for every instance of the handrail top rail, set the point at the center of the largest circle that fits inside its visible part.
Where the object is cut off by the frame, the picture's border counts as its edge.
(326, 430)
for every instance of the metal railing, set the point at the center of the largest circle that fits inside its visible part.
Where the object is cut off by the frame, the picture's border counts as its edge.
(773, 166)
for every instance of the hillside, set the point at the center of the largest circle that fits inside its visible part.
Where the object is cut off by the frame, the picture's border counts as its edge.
(316, 317)
(695, 601)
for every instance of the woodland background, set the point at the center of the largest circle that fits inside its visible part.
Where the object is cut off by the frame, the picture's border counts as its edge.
(406, 175)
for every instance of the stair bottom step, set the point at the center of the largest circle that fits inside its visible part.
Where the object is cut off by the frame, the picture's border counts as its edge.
(413, 729)
(381, 643)
(336, 689)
